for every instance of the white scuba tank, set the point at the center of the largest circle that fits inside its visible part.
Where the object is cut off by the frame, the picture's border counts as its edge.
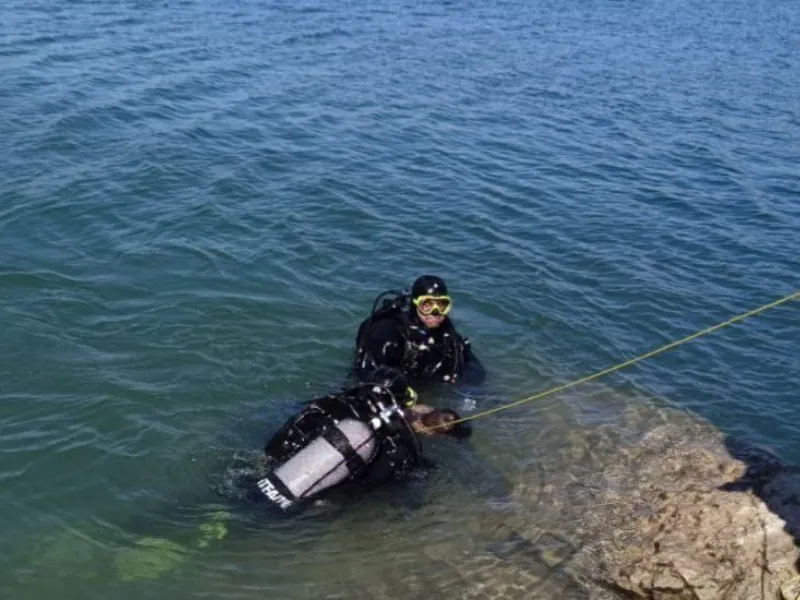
(319, 465)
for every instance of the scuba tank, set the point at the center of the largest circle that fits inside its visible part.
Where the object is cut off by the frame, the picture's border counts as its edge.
(392, 300)
(386, 305)
(337, 454)
(336, 439)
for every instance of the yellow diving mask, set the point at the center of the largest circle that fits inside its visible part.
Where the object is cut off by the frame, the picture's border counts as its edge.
(411, 396)
(433, 305)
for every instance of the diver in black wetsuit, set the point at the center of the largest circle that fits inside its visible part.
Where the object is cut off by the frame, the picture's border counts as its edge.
(413, 332)
(365, 434)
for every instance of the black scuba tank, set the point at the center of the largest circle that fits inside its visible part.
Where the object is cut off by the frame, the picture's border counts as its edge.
(387, 304)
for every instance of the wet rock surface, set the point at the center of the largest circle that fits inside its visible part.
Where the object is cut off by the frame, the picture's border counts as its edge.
(677, 512)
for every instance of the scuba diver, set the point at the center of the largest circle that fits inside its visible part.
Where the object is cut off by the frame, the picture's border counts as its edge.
(366, 434)
(363, 436)
(413, 332)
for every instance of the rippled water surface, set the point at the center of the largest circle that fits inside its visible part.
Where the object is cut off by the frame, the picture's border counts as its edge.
(199, 201)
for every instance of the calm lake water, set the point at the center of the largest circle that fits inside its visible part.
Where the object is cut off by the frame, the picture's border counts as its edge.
(200, 200)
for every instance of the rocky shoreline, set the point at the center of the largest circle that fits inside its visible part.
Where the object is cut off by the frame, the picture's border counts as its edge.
(679, 512)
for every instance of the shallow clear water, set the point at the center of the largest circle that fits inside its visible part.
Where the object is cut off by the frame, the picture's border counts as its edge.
(199, 201)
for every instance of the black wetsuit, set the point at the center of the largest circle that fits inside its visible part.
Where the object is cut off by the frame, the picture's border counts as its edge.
(395, 337)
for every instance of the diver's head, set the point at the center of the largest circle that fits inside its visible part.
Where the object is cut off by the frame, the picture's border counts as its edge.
(391, 382)
(430, 299)
(444, 421)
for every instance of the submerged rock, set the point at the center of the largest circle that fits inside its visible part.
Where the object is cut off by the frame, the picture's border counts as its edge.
(682, 513)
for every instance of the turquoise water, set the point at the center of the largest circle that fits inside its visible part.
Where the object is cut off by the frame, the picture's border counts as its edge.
(199, 201)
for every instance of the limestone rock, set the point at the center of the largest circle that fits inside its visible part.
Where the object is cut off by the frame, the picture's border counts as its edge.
(699, 519)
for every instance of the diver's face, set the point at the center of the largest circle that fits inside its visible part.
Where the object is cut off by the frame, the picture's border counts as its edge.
(430, 321)
(432, 310)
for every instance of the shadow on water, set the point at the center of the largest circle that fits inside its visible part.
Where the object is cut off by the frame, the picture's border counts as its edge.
(775, 483)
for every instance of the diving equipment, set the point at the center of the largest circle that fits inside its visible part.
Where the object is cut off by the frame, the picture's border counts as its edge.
(339, 438)
(433, 305)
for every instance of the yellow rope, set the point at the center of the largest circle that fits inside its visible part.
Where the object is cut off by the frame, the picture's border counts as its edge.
(627, 363)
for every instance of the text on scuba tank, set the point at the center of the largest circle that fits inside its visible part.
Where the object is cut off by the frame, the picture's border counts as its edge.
(266, 486)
